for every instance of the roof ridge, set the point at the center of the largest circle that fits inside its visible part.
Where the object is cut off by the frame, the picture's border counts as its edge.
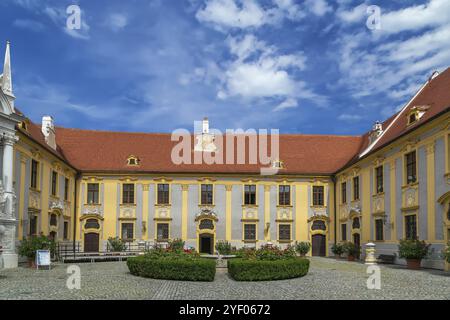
(168, 133)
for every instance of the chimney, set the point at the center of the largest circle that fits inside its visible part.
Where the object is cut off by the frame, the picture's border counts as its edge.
(48, 130)
(205, 125)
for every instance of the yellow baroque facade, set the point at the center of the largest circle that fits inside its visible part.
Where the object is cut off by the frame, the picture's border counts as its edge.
(83, 187)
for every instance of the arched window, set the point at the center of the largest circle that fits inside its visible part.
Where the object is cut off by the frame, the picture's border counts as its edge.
(53, 220)
(355, 224)
(92, 224)
(206, 224)
(319, 225)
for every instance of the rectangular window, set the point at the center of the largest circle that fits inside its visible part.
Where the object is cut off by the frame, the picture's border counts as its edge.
(207, 194)
(54, 182)
(344, 192)
(284, 232)
(34, 174)
(318, 195)
(250, 194)
(162, 231)
(163, 193)
(250, 231)
(284, 195)
(92, 193)
(33, 225)
(411, 170)
(128, 193)
(66, 230)
(356, 188)
(379, 179)
(379, 230)
(127, 231)
(344, 232)
(410, 227)
(66, 189)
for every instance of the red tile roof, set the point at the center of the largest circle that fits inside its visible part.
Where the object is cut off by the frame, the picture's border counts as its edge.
(105, 151)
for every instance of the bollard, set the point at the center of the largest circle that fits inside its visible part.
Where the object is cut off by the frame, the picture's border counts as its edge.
(370, 254)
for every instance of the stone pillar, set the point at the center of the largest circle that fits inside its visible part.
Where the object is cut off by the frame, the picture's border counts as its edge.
(9, 258)
(370, 253)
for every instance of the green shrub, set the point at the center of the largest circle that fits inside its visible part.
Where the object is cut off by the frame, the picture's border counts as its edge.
(176, 245)
(302, 248)
(224, 247)
(173, 268)
(261, 270)
(446, 252)
(28, 246)
(350, 248)
(116, 244)
(413, 249)
(337, 249)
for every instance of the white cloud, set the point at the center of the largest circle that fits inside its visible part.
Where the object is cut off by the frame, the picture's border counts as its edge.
(242, 14)
(379, 62)
(259, 71)
(228, 13)
(349, 117)
(287, 104)
(117, 21)
(353, 15)
(318, 7)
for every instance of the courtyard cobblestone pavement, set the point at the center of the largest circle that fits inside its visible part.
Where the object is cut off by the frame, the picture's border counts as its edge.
(327, 279)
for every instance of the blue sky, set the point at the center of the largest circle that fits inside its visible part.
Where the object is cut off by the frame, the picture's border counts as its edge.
(309, 66)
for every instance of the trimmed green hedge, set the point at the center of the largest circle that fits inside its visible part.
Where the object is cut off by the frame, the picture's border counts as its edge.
(262, 270)
(173, 268)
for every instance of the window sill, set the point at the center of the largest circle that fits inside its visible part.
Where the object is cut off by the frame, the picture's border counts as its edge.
(163, 204)
(318, 207)
(410, 185)
(93, 204)
(250, 206)
(285, 241)
(250, 241)
(378, 194)
(35, 190)
(128, 204)
(284, 206)
(206, 205)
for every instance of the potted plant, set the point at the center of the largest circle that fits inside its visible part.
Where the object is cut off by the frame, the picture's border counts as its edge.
(116, 244)
(351, 250)
(446, 256)
(29, 246)
(337, 249)
(413, 251)
(302, 248)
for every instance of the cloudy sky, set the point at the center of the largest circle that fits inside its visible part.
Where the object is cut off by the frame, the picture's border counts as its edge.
(302, 66)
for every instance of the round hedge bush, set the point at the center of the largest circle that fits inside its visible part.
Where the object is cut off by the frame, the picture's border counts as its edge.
(173, 268)
(262, 270)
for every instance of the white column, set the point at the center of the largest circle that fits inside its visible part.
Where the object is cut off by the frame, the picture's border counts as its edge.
(8, 221)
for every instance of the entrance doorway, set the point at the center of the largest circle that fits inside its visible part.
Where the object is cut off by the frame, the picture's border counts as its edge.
(91, 242)
(357, 242)
(319, 245)
(206, 243)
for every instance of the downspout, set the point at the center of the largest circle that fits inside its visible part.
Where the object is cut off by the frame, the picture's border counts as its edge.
(333, 178)
(75, 203)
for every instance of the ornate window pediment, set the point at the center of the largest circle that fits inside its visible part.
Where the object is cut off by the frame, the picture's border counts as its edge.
(133, 161)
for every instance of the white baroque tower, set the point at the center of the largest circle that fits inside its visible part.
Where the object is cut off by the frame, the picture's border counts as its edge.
(8, 121)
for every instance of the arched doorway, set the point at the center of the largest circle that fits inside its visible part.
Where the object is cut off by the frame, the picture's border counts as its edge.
(206, 236)
(319, 237)
(91, 242)
(356, 235)
(319, 245)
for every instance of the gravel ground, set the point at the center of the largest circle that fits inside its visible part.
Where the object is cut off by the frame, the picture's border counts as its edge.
(327, 279)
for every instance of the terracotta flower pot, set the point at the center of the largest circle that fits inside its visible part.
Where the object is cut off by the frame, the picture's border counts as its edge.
(413, 264)
(32, 263)
(350, 258)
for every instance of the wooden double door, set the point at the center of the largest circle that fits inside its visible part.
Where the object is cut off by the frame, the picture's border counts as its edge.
(319, 245)
(91, 242)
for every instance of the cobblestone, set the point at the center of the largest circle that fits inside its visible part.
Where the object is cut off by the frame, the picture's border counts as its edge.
(327, 279)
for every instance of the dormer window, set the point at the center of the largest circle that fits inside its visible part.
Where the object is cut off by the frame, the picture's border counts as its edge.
(133, 161)
(277, 164)
(416, 113)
